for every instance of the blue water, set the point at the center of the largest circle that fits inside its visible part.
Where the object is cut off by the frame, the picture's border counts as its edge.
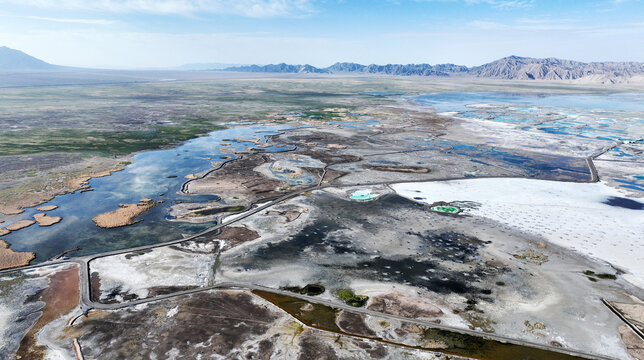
(579, 115)
(457, 101)
(539, 166)
(155, 174)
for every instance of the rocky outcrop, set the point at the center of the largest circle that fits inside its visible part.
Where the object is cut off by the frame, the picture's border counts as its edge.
(522, 68)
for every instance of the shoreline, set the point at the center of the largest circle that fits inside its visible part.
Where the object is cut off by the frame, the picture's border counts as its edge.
(71, 185)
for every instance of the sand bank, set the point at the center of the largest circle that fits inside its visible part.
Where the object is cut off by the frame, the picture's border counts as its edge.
(124, 215)
(44, 220)
(20, 225)
(47, 208)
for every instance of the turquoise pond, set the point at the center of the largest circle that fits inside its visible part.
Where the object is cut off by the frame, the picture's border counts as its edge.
(604, 117)
(458, 101)
(156, 174)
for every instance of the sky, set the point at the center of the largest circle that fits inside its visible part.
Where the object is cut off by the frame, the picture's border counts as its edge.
(166, 33)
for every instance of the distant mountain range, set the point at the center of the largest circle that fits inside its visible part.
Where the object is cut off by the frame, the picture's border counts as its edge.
(510, 68)
(16, 60)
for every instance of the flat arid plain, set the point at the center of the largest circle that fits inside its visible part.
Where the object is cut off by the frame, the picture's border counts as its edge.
(322, 216)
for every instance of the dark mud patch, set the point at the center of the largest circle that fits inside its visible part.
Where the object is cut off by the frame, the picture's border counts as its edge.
(353, 324)
(238, 180)
(289, 215)
(337, 244)
(313, 348)
(164, 290)
(332, 175)
(216, 211)
(401, 305)
(312, 239)
(399, 168)
(94, 286)
(222, 320)
(236, 235)
(130, 255)
(426, 274)
(449, 246)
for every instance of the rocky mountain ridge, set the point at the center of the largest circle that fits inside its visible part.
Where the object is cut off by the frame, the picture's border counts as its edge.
(510, 68)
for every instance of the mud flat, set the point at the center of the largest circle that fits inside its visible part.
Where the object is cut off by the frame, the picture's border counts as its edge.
(44, 220)
(10, 258)
(124, 215)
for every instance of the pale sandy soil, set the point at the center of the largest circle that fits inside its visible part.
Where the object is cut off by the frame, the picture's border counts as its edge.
(44, 220)
(47, 208)
(124, 215)
(634, 345)
(20, 225)
(10, 258)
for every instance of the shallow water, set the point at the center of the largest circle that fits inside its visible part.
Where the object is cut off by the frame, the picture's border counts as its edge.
(156, 174)
(605, 117)
(458, 101)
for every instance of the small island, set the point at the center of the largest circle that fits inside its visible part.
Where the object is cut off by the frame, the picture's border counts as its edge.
(124, 215)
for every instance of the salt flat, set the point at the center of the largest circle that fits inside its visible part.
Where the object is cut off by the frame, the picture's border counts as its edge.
(573, 215)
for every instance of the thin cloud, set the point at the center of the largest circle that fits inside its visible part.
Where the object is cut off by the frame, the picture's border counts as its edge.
(493, 3)
(503, 3)
(248, 8)
(73, 21)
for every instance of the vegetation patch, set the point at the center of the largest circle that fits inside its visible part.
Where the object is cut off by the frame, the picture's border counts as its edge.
(531, 256)
(350, 298)
(604, 276)
(446, 209)
(100, 142)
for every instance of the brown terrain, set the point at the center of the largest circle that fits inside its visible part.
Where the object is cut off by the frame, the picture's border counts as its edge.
(47, 208)
(396, 303)
(20, 225)
(60, 297)
(124, 215)
(10, 258)
(44, 220)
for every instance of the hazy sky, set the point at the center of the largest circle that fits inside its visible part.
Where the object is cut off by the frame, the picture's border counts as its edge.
(158, 33)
